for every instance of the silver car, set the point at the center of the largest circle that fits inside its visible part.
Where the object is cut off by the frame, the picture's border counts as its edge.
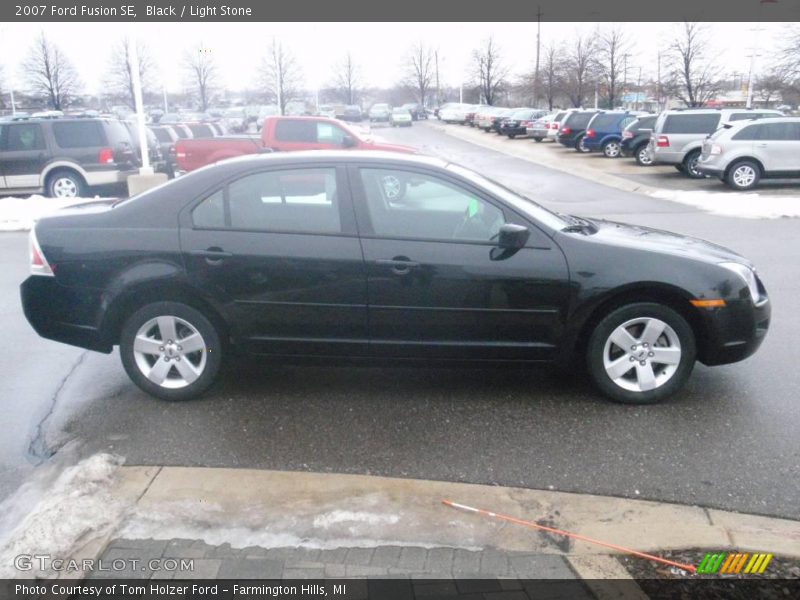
(741, 154)
(678, 135)
(539, 129)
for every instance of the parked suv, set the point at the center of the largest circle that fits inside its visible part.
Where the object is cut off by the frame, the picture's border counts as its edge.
(558, 120)
(741, 154)
(604, 132)
(573, 129)
(636, 137)
(63, 157)
(678, 135)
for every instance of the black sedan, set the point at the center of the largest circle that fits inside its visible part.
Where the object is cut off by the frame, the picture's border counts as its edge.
(382, 257)
(516, 124)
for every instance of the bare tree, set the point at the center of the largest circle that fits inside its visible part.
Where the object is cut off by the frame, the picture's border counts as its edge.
(49, 73)
(490, 72)
(790, 57)
(612, 48)
(281, 74)
(120, 70)
(346, 79)
(694, 77)
(579, 69)
(550, 74)
(201, 74)
(420, 71)
(769, 86)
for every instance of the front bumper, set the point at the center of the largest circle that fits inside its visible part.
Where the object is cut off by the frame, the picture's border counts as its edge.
(667, 158)
(734, 332)
(710, 166)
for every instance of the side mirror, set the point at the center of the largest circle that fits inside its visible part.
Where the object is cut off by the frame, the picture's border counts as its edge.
(348, 142)
(512, 236)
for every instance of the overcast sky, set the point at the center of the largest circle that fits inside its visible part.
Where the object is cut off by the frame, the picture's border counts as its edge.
(378, 48)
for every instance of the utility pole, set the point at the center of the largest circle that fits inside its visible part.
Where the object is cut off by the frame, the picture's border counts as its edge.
(658, 82)
(137, 96)
(438, 89)
(538, 49)
(13, 104)
(751, 75)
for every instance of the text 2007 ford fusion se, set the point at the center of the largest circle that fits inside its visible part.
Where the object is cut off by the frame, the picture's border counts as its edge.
(380, 256)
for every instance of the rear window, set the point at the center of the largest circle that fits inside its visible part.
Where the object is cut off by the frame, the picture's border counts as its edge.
(605, 122)
(182, 133)
(83, 134)
(559, 116)
(162, 135)
(699, 123)
(117, 133)
(201, 131)
(643, 123)
(579, 120)
(296, 130)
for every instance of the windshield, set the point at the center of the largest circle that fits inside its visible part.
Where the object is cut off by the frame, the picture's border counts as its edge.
(522, 203)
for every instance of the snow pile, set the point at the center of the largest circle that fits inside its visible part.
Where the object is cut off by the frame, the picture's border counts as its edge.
(736, 204)
(19, 214)
(78, 507)
(345, 516)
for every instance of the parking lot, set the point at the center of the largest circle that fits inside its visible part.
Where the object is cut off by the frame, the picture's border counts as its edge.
(727, 441)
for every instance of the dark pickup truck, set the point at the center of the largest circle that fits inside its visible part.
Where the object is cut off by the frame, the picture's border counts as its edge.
(278, 134)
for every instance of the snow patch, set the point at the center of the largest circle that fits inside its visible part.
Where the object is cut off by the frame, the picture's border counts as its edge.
(19, 214)
(341, 516)
(78, 506)
(736, 204)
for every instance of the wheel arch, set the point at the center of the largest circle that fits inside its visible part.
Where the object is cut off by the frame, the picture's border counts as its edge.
(739, 159)
(656, 292)
(132, 299)
(61, 165)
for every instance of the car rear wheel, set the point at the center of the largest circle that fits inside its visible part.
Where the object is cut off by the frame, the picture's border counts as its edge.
(511, 136)
(580, 146)
(641, 353)
(537, 139)
(690, 165)
(744, 175)
(643, 156)
(170, 350)
(611, 149)
(65, 184)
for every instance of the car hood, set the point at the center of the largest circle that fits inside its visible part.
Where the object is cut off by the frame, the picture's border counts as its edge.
(376, 143)
(658, 240)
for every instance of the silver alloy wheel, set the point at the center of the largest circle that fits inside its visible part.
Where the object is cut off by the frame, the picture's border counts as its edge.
(391, 187)
(644, 156)
(692, 166)
(170, 352)
(65, 187)
(642, 354)
(611, 150)
(744, 175)
(581, 145)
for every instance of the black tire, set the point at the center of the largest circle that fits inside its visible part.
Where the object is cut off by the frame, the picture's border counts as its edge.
(689, 165)
(579, 147)
(212, 348)
(612, 149)
(741, 171)
(537, 139)
(641, 310)
(61, 180)
(680, 168)
(642, 161)
(511, 136)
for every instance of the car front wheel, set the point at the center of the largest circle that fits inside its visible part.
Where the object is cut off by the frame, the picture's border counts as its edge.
(690, 165)
(641, 353)
(170, 350)
(744, 175)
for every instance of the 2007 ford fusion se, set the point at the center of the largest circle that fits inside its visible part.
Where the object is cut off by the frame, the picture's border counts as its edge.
(388, 257)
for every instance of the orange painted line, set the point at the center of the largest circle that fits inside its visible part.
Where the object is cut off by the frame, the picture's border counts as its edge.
(486, 513)
(741, 562)
(728, 562)
(708, 303)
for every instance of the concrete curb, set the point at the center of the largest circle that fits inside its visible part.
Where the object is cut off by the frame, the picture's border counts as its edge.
(274, 508)
(519, 150)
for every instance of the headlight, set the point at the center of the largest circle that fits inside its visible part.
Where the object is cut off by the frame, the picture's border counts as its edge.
(748, 275)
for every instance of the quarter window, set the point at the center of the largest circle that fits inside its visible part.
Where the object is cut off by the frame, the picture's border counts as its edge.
(779, 132)
(296, 200)
(403, 204)
(210, 213)
(702, 123)
(25, 136)
(85, 134)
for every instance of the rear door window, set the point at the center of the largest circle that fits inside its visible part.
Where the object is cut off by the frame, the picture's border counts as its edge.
(24, 136)
(749, 133)
(161, 135)
(78, 134)
(296, 130)
(604, 122)
(702, 123)
(777, 132)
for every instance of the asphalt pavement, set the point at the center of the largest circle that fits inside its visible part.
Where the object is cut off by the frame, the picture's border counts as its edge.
(729, 440)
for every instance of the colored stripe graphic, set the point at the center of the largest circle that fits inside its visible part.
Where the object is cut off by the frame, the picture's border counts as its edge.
(732, 563)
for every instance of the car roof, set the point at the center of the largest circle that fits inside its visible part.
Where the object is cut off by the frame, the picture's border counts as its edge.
(312, 156)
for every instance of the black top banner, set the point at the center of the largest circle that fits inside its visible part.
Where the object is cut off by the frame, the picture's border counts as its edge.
(407, 10)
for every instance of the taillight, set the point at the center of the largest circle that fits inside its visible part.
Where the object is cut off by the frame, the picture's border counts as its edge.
(627, 135)
(565, 131)
(662, 142)
(39, 264)
(590, 133)
(105, 156)
(715, 150)
(525, 124)
(553, 125)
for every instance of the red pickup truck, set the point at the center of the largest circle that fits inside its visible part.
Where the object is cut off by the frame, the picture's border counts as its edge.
(278, 134)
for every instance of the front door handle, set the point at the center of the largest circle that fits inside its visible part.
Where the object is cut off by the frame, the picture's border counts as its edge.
(400, 265)
(213, 255)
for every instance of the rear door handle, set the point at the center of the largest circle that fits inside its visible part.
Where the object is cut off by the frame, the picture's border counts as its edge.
(400, 265)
